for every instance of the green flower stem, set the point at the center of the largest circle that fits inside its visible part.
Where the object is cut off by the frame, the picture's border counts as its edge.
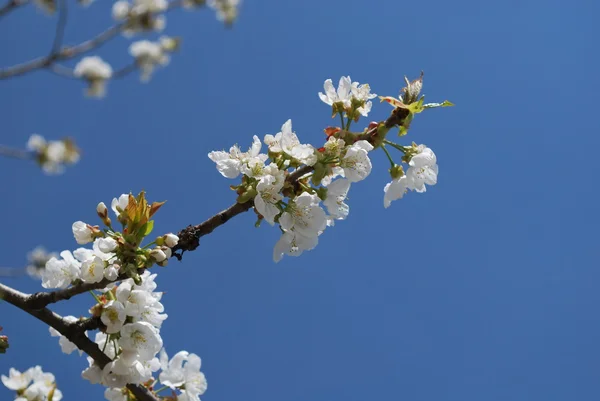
(161, 389)
(388, 156)
(342, 118)
(95, 297)
(394, 145)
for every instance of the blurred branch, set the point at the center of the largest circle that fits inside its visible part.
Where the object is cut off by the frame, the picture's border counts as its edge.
(61, 24)
(15, 153)
(10, 6)
(74, 332)
(12, 271)
(67, 53)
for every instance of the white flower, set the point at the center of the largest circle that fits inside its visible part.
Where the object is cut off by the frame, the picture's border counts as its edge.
(96, 72)
(268, 197)
(113, 316)
(111, 272)
(59, 273)
(82, 232)
(36, 143)
(101, 209)
(158, 254)
(141, 338)
(183, 370)
(293, 244)
(171, 240)
(423, 169)
(363, 93)
(116, 394)
(107, 244)
(304, 216)
(42, 384)
(286, 141)
(230, 164)
(66, 346)
(135, 301)
(152, 315)
(336, 195)
(92, 270)
(93, 373)
(227, 10)
(356, 163)
(395, 190)
(120, 204)
(16, 380)
(118, 373)
(343, 94)
(147, 55)
(120, 10)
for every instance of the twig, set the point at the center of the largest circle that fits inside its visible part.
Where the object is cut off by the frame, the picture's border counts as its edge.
(15, 153)
(61, 24)
(72, 331)
(10, 6)
(67, 53)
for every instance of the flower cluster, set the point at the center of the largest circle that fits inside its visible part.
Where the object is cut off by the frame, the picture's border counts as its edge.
(114, 253)
(304, 189)
(140, 15)
(151, 54)
(32, 385)
(96, 72)
(227, 10)
(52, 156)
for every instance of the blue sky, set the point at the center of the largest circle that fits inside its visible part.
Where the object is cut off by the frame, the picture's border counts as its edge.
(483, 288)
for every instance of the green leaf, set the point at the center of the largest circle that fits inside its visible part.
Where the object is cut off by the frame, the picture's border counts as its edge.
(147, 228)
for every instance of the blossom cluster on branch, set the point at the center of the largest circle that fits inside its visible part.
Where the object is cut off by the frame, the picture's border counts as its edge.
(303, 209)
(32, 385)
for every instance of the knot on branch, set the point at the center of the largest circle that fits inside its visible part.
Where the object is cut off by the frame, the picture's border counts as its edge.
(189, 240)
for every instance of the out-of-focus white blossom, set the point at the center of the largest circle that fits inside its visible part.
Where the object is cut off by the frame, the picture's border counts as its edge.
(96, 72)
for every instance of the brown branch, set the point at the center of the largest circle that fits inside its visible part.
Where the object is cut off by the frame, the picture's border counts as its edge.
(189, 237)
(10, 6)
(73, 51)
(74, 332)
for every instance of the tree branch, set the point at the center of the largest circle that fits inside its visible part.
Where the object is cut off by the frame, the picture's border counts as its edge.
(10, 6)
(15, 153)
(73, 51)
(74, 332)
(61, 24)
(189, 237)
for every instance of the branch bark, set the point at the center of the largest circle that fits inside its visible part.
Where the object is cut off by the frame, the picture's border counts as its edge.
(74, 332)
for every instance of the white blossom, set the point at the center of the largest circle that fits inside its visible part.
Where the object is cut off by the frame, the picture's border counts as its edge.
(36, 143)
(148, 55)
(287, 142)
(118, 205)
(183, 371)
(37, 260)
(356, 163)
(82, 232)
(363, 93)
(227, 10)
(423, 169)
(92, 270)
(96, 72)
(268, 197)
(230, 164)
(395, 190)
(116, 394)
(113, 316)
(304, 216)
(141, 338)
(16, 380)
(59, 273)
(120, 10)
(66, 346)
(293, 244)
(343, 94)
(106, 245)
(336, 195)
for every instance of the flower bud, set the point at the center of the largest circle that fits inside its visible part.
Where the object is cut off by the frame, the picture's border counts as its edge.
(158, 254)
(171, 240)
(102, 210)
